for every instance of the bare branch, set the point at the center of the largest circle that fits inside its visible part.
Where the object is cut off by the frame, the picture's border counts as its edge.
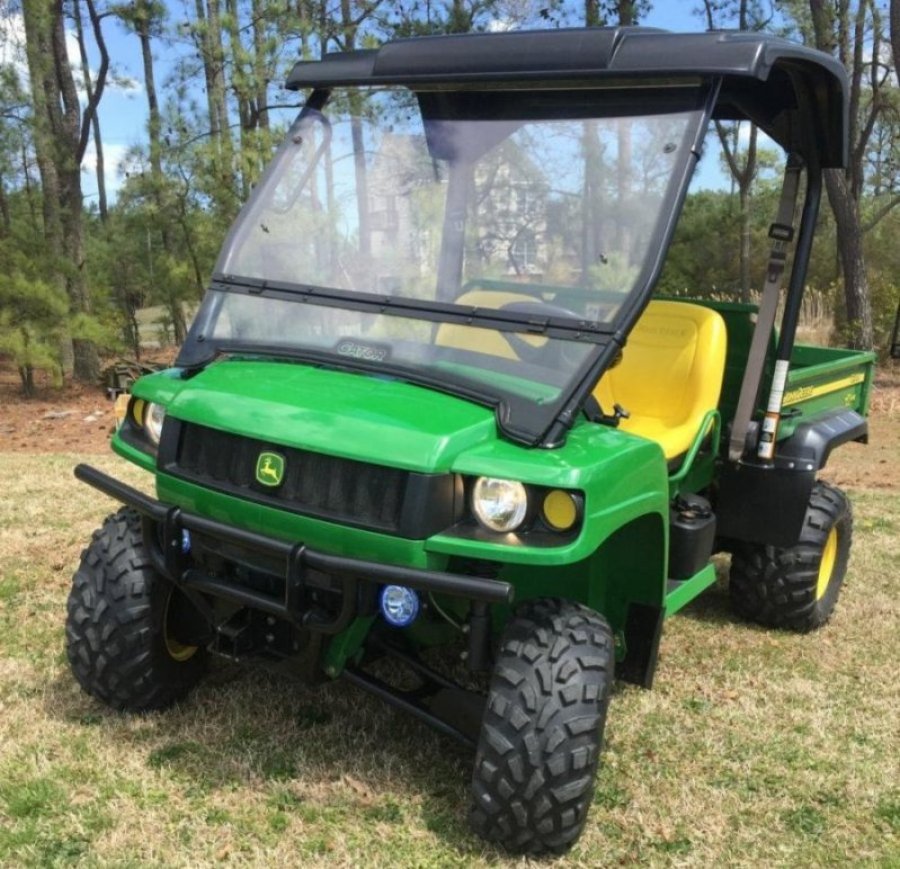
(90, 109)
(879, 215)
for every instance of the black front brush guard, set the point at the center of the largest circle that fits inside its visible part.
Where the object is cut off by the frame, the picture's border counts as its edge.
(164, 531)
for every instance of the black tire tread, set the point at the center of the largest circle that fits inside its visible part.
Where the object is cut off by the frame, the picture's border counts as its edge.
(542, 731)
(114, 638)
(776, 586)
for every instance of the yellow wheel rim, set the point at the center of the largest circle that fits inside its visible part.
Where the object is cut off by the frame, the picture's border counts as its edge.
(826, 565)
(178, 651)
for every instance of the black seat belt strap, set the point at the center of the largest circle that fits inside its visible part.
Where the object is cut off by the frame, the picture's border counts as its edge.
(782, 233)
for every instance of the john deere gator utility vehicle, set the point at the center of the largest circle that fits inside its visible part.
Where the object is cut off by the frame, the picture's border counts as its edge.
(429, 402)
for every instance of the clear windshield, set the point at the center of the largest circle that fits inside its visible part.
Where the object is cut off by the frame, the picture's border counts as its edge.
(542, 206)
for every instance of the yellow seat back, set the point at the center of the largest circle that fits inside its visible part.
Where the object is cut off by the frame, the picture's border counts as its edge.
(670, 375)
(484, 340)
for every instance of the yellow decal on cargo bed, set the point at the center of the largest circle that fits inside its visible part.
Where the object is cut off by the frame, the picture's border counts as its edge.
(804, 393)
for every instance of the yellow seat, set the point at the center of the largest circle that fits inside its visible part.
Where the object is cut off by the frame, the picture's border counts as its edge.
(670, 375)
(485, 340)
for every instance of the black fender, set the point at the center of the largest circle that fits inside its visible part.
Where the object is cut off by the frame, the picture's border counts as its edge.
(766, 503)
(812, 442)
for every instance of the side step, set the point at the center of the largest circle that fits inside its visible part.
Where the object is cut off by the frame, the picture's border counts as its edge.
(680, 592)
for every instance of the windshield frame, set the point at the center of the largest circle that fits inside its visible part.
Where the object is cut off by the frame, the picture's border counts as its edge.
(513, 411)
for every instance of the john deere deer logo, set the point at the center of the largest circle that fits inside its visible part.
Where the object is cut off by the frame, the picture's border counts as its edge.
(270, 469)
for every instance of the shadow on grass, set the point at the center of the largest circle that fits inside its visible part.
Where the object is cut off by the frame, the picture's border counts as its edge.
(712, 606)
(331, 753)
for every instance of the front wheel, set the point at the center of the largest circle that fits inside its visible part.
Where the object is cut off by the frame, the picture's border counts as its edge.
(797, 587)
(543, 728)
(122, 627)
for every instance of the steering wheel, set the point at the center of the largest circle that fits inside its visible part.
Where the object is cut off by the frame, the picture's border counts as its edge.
(549, 352)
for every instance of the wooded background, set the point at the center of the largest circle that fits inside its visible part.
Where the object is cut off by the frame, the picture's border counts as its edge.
(75, 271)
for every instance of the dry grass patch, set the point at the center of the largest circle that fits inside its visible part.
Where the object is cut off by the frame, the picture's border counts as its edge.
(755, 747)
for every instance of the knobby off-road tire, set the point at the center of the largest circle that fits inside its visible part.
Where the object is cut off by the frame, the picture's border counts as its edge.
(797, 587)
(543, 728)
(117, 633)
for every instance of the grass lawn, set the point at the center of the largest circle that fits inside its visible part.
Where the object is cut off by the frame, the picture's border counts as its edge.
(755, 748)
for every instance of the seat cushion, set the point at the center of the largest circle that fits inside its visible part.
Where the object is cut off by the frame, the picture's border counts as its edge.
(670, 375)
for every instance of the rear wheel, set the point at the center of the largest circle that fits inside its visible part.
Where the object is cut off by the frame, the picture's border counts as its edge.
(543, 728)
(797, 587)
(126, 626)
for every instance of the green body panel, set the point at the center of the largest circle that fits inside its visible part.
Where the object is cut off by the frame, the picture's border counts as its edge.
(352, 416)
(132, 454)
(161, 387)
(623, 479)
(617, 558)
(610, 503)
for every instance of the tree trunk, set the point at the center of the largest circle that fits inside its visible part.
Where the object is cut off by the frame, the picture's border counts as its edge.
(205, 52)
(61, 134)
(95, 122)
(26, 375)
(590, 254)
(142, 19)
(362, 185)
(69, 134)
(240, 86)
(745, 183)
(176, 312)
(843, 29)
(143, 22)
(29, 191)
(627, 12)
(39, 54)
(192, 255)
(217, 61)
(895, 34)
(43, 87)
(259, 65)
(6, 225)
(356, 135)
(850, 248)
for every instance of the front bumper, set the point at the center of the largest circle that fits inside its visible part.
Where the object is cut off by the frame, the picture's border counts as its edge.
(169, 521)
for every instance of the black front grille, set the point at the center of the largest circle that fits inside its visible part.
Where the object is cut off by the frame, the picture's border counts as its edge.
(314, 484)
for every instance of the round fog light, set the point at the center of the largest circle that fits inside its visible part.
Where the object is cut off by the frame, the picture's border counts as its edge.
(399, 605)
(560, 510)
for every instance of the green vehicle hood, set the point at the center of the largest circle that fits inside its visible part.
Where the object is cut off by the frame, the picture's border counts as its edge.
(355, 416)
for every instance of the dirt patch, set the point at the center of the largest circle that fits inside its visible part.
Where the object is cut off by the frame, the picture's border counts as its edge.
(877, 464)
(75, 419)
(79, 419)
(72, 418)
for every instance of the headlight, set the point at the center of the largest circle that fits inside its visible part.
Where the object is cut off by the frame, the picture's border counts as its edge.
(154, 415)
(499, 505)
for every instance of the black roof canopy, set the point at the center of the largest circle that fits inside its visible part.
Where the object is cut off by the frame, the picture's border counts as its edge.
(794, 93)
